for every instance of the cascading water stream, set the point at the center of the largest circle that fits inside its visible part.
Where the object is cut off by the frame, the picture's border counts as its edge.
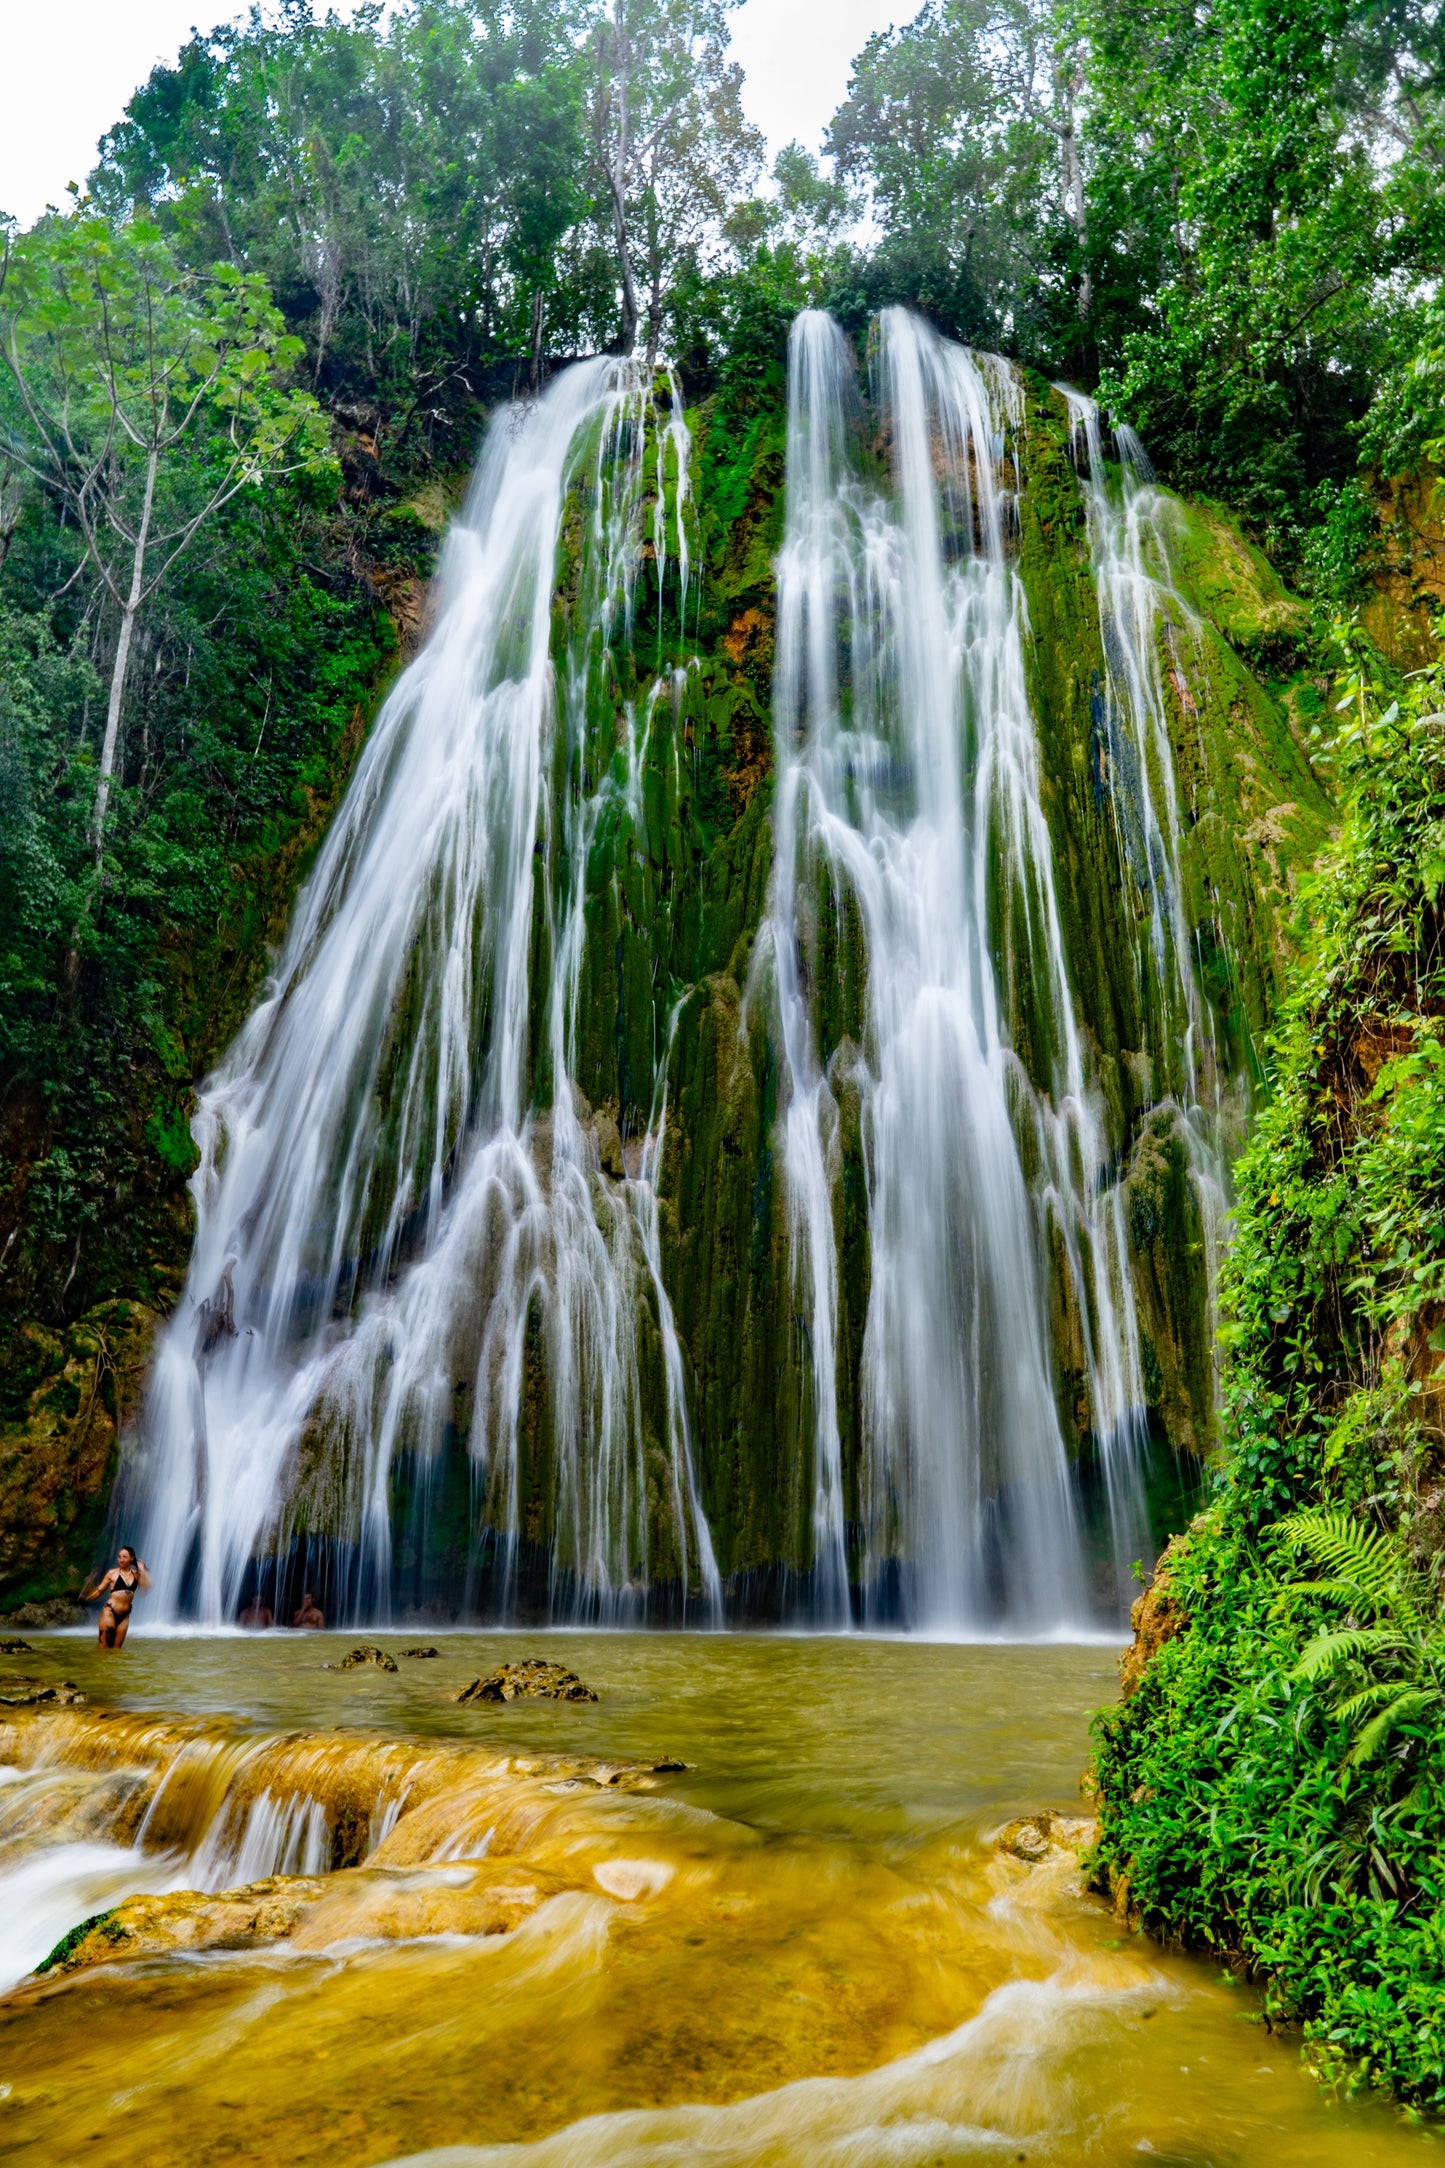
(385, 1198)
(1142, 617)
(403, 1195)
(909, 795)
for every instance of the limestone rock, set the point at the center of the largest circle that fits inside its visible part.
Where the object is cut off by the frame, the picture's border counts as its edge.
(365, 1654)
(1037, 1837)
(22, 1693)
(418, 1652)
(311, 1912)
(1157, 1616)
(609, 1147)
(16, 1648)
(530, 1680)
(55, 1611)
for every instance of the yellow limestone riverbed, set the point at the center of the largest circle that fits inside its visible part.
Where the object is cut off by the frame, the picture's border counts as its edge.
(502, 1934)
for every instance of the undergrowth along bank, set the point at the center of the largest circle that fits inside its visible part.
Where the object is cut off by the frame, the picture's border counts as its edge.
(1273, 1782)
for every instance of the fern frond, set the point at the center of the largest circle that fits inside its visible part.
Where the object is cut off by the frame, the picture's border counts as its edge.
(1327, 1651)
(1372, 1738)
(1378, 1696)
(1372, 1562)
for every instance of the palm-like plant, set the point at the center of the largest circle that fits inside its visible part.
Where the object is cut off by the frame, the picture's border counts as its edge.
(1393, 1634)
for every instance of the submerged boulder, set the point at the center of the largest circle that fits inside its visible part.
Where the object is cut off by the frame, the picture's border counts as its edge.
(533, 1679)
(418, 1652)
(16, 1648)
(17, 1692)
(366, 1654)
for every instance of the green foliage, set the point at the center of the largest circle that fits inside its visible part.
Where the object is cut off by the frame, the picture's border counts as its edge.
(1342, 550)
(70, 1942)
(1402, 1655)
(962, 129)
(1266, 177)
(404, 188)
(1275, 1783)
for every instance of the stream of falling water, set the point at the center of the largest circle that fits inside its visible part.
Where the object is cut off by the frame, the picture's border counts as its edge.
(380, 1207)
(401, 1189)
(353, 1919)
(909, 779)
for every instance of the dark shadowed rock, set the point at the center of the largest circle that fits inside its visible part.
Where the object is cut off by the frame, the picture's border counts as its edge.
(418, 1652)
(360, 1657)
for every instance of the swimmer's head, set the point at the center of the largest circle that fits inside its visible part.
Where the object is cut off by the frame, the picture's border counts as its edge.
(125, 1552)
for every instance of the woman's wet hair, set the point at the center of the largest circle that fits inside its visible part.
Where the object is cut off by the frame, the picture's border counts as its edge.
(126, 1549)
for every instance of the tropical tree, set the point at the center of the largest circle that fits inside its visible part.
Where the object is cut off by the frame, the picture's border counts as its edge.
(671, 147)
(145, 398)
(964, 128)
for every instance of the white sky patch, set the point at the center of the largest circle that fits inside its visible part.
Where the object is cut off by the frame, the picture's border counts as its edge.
(71, 65)
(797, 56)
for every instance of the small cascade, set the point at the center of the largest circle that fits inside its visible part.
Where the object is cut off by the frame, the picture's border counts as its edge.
(915, 864)
(95, 1809)
(404, 1227)
(1143, 618)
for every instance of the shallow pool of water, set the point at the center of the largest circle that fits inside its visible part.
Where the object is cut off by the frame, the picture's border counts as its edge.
(804, 1948)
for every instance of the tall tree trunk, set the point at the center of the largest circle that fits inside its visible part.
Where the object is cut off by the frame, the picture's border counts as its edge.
(617, 184)
(537, 327)
(1067, 82)
(122, 655)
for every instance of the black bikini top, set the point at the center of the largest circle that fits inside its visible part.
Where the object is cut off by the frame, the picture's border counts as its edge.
(122, 1587)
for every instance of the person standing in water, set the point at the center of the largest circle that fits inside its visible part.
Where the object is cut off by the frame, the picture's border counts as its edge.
(126, 1579)
(310, 1615)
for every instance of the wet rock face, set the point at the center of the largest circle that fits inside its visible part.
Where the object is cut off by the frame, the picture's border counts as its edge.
(530, 1680)
(1157, 1616)
(58, 1457)
(309, 1912)
(367, 1654)
(22, 1693)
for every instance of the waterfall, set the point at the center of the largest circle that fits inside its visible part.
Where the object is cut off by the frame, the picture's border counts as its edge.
(909, 803)
(399, 1189)
(420, 1249)
(1142, 617)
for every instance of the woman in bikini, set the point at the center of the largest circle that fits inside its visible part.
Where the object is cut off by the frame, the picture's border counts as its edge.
(126, 1580)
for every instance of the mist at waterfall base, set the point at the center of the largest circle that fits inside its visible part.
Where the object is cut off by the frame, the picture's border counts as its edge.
(402, 1190)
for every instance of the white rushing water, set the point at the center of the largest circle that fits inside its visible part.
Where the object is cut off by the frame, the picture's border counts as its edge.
(402, 1193)
(909, 794)
(380, 1208)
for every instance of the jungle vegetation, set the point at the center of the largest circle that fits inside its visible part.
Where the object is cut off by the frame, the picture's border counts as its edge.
(242, 375)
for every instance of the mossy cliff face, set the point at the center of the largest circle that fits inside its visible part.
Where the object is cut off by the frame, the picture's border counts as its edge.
(82, 1385)
(678, 890)
(678, 863)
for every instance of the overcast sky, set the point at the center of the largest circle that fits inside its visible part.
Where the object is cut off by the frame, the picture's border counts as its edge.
(72, 64)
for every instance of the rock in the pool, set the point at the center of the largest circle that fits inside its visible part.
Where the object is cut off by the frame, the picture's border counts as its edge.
(418, 1652)
(16, 1648)
(366, 1654)
(21, 1693)
(1037, 1837)
(530, 1680)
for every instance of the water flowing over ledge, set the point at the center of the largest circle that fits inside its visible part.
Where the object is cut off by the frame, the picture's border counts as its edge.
(419, 1247)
